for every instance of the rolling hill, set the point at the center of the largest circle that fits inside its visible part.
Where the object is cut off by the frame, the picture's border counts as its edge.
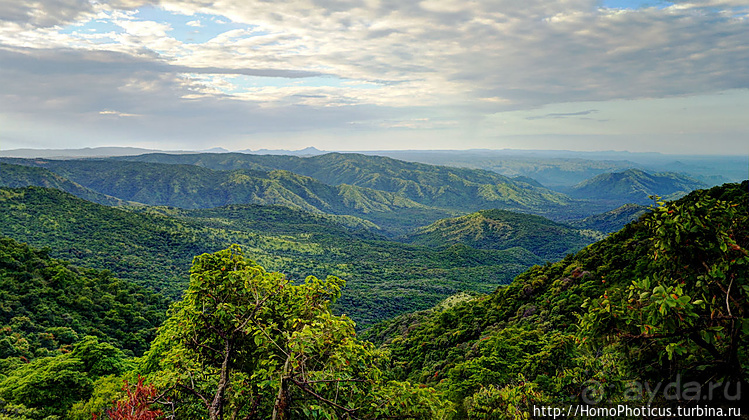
(154, 246)
(635, 186)
(435, 186)
(17, 176)
(190, 186)
(502, 229)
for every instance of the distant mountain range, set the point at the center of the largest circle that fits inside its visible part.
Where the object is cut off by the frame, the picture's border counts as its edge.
(395, 195)
(436, 186)
(369, 187)
(551, 168)
(564, 168)
(98, 152)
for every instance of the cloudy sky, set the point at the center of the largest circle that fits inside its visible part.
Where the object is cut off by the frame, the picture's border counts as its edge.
(666, 76)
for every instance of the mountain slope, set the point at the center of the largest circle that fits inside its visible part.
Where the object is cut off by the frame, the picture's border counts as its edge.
(661, 300)
(502, 229)
(190, 186)
(17, 176)
(438, 186)
(634, 186)
(46, 304)
(611, 221)
(155, 245)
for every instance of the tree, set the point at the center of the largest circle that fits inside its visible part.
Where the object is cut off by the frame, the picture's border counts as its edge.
(52, 385)
(245, 343)
(690, 316)
(136, 405)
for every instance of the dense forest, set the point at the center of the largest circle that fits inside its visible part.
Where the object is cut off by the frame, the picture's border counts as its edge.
(154, 246)
(255, 311)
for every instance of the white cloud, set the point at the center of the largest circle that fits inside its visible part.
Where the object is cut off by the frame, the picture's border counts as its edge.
(117, 113)
(387, 60)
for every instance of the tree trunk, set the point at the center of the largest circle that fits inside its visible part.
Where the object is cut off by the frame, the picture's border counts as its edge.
(281, 406)
(216, 409)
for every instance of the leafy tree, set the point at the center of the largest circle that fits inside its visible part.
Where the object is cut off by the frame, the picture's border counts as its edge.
(106, 389)
(689, 315)
(51, 385)
(245, 343)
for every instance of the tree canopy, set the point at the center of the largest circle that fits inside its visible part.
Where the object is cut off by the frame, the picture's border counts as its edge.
(246, 343)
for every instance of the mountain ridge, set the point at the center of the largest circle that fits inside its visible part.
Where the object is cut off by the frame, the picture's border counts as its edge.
(635, 186)
(502, 229)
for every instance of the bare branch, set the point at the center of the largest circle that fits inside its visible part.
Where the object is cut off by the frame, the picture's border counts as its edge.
(728, 293)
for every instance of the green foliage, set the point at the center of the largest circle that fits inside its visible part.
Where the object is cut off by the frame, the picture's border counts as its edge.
(502, 229)
(581, 329)
(46, 305)
(50, 386)
(105, 390)
(252, 343)
(691, 311)
(154, 246)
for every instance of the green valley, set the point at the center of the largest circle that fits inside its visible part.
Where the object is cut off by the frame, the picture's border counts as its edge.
(153, 246)
(374, 289)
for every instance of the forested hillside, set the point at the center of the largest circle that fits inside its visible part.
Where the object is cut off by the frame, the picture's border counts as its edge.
(635, 186)
(155, 245)
(502, 229)
(395, 195)
(661, 301)
(189, 186)
(65, 332)
(48, 304)
(436, 186)
(16, 176)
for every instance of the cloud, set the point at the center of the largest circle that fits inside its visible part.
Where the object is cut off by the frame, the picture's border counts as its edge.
(357, 62)
(117, 113)
(562, 115)
(43, 13)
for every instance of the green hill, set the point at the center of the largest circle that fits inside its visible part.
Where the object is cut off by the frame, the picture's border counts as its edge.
(635, 186)
(154, 246)
(661, 301)
(611, 221)
(47, 304)
(17, 176)
(502, 229)
(435, 186)
(190, 186)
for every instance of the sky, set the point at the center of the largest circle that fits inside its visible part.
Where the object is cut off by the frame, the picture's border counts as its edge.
(658, 76)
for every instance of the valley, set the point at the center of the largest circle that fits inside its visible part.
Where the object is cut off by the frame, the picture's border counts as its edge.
(464, 279)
